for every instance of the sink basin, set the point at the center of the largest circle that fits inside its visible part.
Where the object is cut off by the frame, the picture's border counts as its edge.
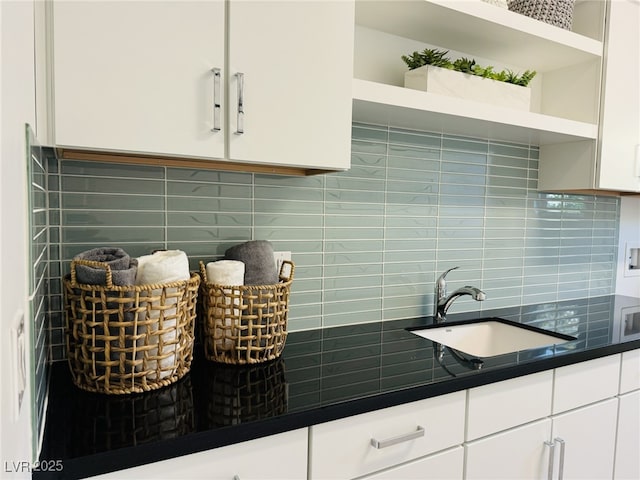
(490, 337)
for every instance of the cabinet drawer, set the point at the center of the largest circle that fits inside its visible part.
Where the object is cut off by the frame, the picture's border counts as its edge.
(630, 375)
(278, 457)
(586, 382)
(343, 448)
(503, 405)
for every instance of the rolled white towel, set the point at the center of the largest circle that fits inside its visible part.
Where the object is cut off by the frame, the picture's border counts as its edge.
(160, 267)
(226, 273)
(163, 267)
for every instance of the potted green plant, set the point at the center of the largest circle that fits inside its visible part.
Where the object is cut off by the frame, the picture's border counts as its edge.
(432, 71)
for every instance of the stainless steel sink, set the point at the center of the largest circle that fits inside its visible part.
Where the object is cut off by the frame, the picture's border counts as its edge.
(490, 337)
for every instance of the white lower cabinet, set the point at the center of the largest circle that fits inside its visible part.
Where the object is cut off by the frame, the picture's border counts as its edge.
(627, 460)
(374, 441)
(555, 425)
(277, 457)
(576, 445)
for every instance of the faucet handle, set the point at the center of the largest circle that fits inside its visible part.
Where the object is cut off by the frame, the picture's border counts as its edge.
(441, 277)
(441, 285)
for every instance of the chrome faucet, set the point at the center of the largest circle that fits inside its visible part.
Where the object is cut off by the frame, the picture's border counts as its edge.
(442, 302)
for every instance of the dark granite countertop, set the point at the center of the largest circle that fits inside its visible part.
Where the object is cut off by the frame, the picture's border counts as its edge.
(322, 375)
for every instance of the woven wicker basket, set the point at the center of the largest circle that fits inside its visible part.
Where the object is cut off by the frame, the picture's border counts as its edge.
(128, 339)
(245, 324)
(553, 12)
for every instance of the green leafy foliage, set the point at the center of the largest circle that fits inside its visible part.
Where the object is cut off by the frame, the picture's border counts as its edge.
(464, 65)
(428, 56)
(484, 72)
(526, 77)
(437, 58)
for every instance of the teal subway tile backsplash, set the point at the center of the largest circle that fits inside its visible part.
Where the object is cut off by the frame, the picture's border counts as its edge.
(40, 288)
(368, 243)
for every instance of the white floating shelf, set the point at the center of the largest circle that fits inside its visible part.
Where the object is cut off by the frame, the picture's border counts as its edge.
(478, 28)
(383, 104)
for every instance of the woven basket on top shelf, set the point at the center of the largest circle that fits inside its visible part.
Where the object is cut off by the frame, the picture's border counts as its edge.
(553, 12)
(128, 339)
(245, 324)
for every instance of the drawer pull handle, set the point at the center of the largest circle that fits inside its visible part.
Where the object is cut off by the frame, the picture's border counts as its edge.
(399, 439)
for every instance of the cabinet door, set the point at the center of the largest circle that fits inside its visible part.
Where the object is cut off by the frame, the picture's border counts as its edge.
(519, 453)
(589, 436)
(627, 462)
(277, 457)
(136, 76)
(446, 465)
(620, 130)
(296, 59)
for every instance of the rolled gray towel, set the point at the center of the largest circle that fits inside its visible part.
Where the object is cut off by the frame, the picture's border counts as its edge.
(123, 273)
(257, 256)
(123, 267)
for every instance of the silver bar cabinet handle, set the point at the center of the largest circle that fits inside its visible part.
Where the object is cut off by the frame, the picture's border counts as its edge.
(399, 439)
(552, 447)
(561, 467)
(240, 127)
(216, 99)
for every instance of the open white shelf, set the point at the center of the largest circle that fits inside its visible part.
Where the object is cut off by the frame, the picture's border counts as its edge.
(402, 107)
(565, 93)
(481, 29)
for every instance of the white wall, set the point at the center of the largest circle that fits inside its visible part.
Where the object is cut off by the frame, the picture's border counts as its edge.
(629, 234)
(17, 102)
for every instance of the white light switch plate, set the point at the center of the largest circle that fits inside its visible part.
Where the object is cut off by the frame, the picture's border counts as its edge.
(18, 361)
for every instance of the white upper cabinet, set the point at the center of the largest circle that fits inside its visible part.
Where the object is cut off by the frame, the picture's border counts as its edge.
(615, 163)
(296, 60)
(136, 76)
(564, 93)
(175, 78)
(619, 157)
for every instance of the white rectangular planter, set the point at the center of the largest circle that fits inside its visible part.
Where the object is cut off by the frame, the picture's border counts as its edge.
(443, 81)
